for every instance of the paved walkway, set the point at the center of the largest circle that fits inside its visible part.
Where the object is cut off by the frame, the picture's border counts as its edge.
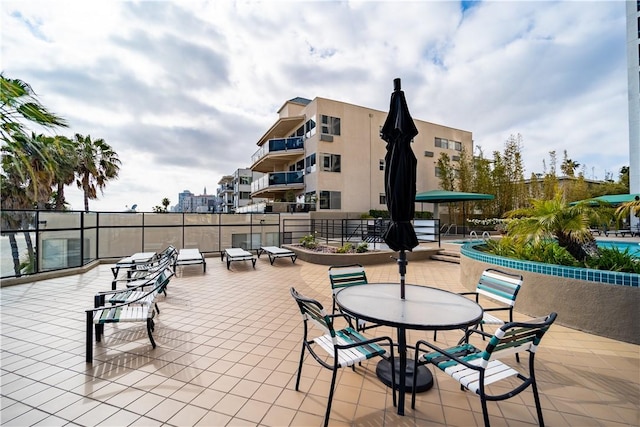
(228, 348)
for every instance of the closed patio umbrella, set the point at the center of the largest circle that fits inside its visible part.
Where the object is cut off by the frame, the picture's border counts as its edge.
(400, 178)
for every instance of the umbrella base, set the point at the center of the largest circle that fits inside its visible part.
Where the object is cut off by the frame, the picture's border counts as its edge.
(424, 379)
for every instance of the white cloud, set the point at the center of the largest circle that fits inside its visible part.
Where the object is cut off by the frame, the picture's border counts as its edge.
(183, 90)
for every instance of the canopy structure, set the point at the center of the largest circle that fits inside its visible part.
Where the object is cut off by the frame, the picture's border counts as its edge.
(612, 199)
(444, 196)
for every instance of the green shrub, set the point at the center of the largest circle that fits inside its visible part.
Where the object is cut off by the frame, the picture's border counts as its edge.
(309, 241)
(345, 249)
(362, 247)
(613, 259)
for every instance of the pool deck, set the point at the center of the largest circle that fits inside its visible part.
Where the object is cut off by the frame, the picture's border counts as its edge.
(228, 351)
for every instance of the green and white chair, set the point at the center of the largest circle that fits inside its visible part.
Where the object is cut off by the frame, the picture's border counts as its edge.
(344, 276)
(347, 347)
(476, 368)
(501, 289)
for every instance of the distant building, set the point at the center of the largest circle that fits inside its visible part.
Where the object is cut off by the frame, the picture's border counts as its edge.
(188, 202)
(225, 194)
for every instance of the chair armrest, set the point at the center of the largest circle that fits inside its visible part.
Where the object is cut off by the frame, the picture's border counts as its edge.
(476, 294)
(446, 354)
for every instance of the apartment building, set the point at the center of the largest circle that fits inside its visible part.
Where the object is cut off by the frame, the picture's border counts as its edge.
(329, 154)
(225, 194)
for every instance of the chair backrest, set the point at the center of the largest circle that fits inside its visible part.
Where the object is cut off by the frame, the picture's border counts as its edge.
(499, 285)
(169, 252)
(312, 310)
(342, 276)
(514, 337)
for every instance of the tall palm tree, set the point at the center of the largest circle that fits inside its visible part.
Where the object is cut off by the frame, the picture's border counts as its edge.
(29, 157)
(64, 174)
(97, 164)
(548, 219)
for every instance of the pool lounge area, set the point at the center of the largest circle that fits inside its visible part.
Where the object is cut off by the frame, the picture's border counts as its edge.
(228, 350)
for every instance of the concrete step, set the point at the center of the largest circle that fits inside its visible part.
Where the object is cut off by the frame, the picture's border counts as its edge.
(447, 256)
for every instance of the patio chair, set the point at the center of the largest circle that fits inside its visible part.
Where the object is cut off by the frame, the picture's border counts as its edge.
(500, 287)
(476, 368)
(343, 276)
(346, 346)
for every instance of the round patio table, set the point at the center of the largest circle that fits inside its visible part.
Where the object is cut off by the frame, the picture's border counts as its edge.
(423, 308)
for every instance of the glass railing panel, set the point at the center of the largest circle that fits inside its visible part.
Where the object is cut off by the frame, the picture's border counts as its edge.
(204, 218)
(156, 239)
(52, 220)
(17, 253)
(151, 219)
(107, 219)
(90, 219)
(61, 249)
(118, 242)
(204, 238)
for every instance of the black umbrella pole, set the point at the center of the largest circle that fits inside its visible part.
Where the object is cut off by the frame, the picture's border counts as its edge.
(402, 266)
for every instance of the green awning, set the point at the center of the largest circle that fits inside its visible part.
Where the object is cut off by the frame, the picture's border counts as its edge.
(444, 196)
(612, 199)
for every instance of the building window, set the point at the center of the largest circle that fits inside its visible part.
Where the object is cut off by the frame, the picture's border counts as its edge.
(438, 172)
(245, 195)
(428, 153)
(457, 145)
(245, 180)
(455, 158)
(383, 199)
(310, 163)
(331, 162)
(381, 164)
(330, 200)
(330, 125)
(441, 143)
(310, 127)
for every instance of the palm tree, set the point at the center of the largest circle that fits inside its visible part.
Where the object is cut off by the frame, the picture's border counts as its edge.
(64, 173)
(549, 219)
(97, 164)
(29, 157)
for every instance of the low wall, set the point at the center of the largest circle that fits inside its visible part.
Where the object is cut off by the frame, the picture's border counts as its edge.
(609, 310)
(365, 258)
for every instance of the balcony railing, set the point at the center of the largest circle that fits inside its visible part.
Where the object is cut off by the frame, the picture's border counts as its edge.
(277, 179)
(278, 145)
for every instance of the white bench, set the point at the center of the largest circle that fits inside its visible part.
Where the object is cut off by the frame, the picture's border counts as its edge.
(190, 257)
(237, 254)
(277, 252)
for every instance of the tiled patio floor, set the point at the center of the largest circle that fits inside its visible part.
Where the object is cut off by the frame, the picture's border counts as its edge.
(228, 347)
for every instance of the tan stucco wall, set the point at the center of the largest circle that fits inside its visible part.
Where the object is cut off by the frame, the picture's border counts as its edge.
(612, 311)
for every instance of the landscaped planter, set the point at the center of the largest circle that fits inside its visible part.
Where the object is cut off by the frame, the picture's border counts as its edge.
(600, 302)
(365, 258)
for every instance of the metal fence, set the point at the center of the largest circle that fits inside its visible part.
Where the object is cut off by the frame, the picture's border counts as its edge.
(37, 241)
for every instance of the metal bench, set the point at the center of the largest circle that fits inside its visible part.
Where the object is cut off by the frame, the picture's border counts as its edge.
(237, 254)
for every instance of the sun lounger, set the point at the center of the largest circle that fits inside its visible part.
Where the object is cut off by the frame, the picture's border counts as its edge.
(130, 262)
(237, 254)
(190, 257)
(277, 252)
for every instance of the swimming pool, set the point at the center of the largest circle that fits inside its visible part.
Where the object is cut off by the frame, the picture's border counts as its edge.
(633, 247)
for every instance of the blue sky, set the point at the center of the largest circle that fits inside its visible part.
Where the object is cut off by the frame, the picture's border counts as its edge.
(183, 90)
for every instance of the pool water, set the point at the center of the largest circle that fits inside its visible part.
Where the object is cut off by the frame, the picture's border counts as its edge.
(633, 247)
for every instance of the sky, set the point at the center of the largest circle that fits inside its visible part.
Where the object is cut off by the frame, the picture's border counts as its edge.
(183, 90)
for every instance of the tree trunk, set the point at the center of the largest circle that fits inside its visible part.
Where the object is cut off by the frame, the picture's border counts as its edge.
(14, 253)
(60, 197)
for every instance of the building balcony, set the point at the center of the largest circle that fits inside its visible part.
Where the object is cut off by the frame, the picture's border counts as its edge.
(275, 184)
(276, 152)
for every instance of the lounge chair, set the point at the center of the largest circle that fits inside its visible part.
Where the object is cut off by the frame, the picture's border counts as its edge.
(190, 257)
(277, 252)
(237, 254)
